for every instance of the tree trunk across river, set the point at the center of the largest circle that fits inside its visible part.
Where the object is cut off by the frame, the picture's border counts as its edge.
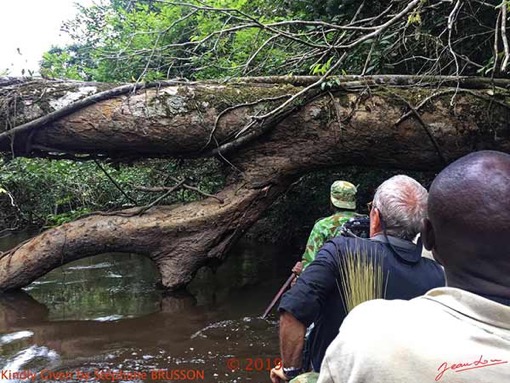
(265, 140)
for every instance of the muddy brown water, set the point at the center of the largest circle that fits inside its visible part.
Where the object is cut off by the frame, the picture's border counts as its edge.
(103, 319)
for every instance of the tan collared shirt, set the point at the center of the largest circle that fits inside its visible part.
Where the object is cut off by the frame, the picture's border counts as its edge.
(448, 335)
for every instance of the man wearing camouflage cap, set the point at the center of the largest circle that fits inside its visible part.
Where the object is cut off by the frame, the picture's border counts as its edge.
(343, 200)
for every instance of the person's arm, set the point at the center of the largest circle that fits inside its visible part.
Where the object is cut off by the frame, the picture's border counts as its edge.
(292, 341)
(301, 305)
(296, 270)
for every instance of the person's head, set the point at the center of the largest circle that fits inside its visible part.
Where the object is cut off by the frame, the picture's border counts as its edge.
(343, 195)
(468, 224)
(399, 206)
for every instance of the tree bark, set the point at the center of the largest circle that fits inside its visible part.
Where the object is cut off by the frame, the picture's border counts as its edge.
(382, 126)
(179, 239)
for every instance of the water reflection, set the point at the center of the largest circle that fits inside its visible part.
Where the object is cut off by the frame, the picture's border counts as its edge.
(106, 313)
(110, 285)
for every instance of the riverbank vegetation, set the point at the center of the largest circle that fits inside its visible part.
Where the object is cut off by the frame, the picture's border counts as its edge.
(42, 193)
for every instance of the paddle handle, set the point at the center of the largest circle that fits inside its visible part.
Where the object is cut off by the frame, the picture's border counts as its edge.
(278, 295)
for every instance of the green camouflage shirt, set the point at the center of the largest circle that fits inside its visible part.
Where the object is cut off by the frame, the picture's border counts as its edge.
(322, 231)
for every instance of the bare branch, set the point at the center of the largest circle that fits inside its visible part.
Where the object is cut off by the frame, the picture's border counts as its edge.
(180, 184)
(451, 21)
(160, 198)
(496, 49)
(229, 109)
(115, 183)
(504, 64)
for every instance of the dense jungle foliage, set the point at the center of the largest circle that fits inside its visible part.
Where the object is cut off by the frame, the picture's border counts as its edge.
(147, 40)
(42, 193)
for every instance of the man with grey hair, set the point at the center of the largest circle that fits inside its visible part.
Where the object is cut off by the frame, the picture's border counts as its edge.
(321, 293)
(402, 201)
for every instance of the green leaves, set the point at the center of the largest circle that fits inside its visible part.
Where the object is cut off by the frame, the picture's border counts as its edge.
(414, 18)
(61, 63)
(52, 192)
(318, 69)
(150, 40)
(505, 3)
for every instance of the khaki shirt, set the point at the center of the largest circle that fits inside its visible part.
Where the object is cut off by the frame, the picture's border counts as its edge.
(448, 335)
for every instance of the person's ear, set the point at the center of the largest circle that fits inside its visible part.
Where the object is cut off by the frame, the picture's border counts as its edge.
(375, 222)
(428, 235)
(429, 239)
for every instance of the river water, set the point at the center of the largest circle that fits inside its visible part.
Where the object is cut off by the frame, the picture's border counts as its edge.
(103, 318)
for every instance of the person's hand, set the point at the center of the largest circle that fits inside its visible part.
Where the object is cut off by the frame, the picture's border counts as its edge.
(298, 268)
(277, 375)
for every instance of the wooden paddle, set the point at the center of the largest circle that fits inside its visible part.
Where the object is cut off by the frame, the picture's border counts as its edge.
(279, 295)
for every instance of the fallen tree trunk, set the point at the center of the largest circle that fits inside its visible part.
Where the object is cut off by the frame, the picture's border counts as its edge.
(383, 126)
(179, 239)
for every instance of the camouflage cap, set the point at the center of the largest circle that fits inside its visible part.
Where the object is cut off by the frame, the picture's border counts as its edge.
(343, 195)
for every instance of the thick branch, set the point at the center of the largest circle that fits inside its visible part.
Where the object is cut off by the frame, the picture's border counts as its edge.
(151, 123)
(194, 234)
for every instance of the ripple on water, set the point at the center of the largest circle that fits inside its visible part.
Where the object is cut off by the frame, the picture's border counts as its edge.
(9, 338)
(33, 358)
(213, 326)
(110, 318)
(101, 265)
(81, 311)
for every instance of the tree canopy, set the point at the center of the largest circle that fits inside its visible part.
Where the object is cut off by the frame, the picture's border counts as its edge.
(149, 40)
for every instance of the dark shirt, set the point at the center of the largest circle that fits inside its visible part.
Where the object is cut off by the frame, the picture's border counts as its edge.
(316, 297)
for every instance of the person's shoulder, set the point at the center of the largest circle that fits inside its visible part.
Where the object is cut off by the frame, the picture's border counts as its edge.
(334, 249)
(355, 244)
(371, 330)
(344, 216)
(392, 316)
(380, 335)
(335, 217)
(434, 269)
(353, 241)
(341, 243)
(374, 329)
(431, 262)
(324, 221)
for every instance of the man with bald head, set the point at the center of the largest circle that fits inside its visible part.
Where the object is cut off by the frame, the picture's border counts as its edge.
(459, 333)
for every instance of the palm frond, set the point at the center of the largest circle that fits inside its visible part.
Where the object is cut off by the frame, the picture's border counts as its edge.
(361, 277)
